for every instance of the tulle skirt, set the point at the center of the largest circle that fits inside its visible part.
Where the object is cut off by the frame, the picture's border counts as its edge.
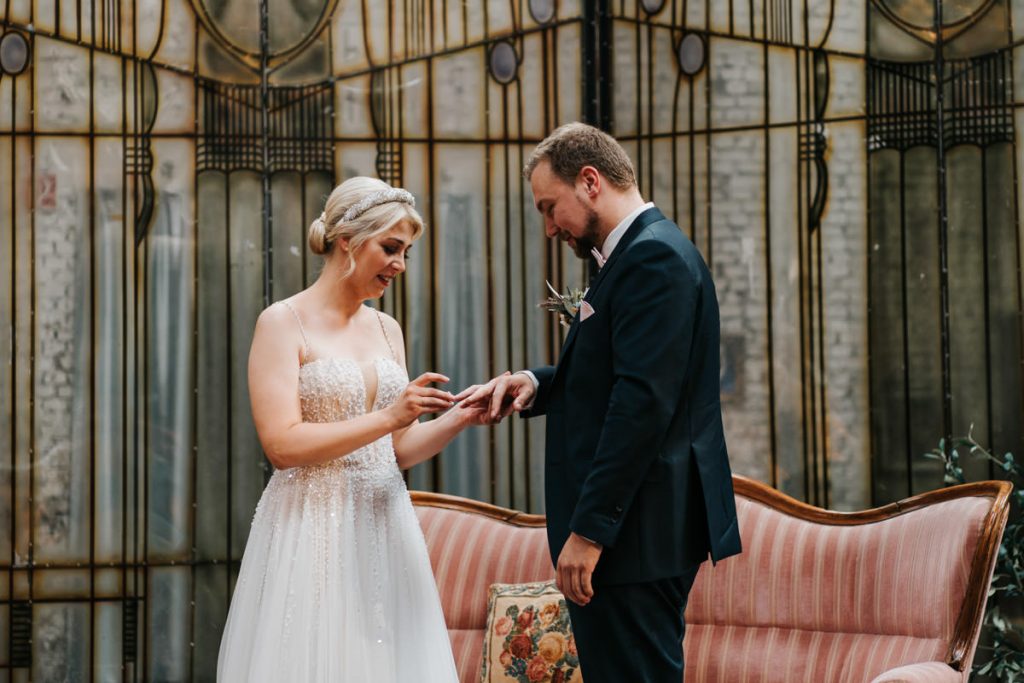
(335, 586)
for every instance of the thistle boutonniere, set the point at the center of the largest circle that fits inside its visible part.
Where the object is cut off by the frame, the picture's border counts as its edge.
(565, 305)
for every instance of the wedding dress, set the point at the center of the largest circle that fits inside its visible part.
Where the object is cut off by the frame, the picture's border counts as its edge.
(335, 584)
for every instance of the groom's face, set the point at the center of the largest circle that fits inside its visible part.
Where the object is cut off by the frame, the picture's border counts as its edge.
(567, 214)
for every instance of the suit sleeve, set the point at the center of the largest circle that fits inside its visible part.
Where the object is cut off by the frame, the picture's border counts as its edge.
(544, 375)
(653, 307)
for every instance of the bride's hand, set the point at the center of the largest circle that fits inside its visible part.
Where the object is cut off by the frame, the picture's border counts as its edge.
(472, 414)
(419, 399)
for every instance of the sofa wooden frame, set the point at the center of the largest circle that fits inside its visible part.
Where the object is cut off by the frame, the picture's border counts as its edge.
(971, 613)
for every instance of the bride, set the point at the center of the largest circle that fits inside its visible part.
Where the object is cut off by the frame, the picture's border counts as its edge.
(335, 584)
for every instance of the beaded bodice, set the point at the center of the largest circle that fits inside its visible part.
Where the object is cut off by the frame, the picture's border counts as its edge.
(334, 390)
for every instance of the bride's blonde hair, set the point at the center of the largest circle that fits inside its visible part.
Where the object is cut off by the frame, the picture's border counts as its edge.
(345, 218)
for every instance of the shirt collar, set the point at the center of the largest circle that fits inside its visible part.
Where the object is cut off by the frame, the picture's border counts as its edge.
(612, 240)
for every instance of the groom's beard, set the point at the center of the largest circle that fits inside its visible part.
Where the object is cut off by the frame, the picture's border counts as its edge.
(588, 240)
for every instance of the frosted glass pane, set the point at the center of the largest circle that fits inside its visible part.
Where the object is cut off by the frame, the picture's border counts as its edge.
(923, 314)
(376, 28)
(500, 18)
(6, 103)
(63, 348)
(503, 259)
(624, 75)
(108, 93)
(177, 46)
(458, 85)
(349, 48)
(288, 237)
(62, 86)
(846, 92)
(211, 611)
(109, 355)
(354, 159)
(500, 100)
(783, 93)
(291, 22)
(1002, 265)
(167, 642)
(966, 202)
(461, 176)
(21, 11)
(1018, 65)
(737, 89)
(108, 625)
(56, 656)
(108, 582)
(7, 304)
(820, 14)
(473, 19)
(700, 207)
(849, 31)
(844, 272)
(570, 73)
(681, 197)
(742, 17)
(213, 390)
(419, 286)
(531, 84)
(56, 584)
(666, 79)
(169, 305)
(718, 15)
(249, 467)
(148, 24)
(23, 351)
(738, 265)
(697, 14)
(45, 15)
(352, 98)
(888, 385)
(312, 65)
(885, 40)
(538, 326)
(661, 182)
(414, 93)
(217, 63)
(785, 311)
(176, 111)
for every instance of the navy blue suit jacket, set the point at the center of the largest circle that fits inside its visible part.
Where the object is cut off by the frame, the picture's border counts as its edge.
(635, 452)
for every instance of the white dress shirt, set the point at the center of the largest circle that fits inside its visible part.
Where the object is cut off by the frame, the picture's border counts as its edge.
(612, 240)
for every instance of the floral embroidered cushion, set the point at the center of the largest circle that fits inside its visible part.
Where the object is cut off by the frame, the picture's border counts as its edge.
(528, 637)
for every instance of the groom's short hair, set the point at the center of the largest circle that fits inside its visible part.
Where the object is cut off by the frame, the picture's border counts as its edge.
(571, 147)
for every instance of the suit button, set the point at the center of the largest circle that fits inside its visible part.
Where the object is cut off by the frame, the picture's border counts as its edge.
(618, 509)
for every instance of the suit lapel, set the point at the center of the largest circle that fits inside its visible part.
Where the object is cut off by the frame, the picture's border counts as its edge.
(651, 215)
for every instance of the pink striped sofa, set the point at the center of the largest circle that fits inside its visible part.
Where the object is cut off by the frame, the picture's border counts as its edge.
(890, 595)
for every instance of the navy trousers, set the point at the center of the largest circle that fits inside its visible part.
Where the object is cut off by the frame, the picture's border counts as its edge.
(633, 633)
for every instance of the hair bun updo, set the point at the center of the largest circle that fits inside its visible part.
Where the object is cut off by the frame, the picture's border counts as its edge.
(318, 242)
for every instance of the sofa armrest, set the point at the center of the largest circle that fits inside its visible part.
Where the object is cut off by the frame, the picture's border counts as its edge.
(924, 672)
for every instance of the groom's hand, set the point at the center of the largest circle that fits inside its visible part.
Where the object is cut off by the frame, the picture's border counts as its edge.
(576, 565)
(503, 395)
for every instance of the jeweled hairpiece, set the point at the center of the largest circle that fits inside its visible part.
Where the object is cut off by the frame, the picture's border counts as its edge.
(392, 194)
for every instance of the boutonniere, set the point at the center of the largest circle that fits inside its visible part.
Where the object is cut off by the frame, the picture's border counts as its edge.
(565, 305)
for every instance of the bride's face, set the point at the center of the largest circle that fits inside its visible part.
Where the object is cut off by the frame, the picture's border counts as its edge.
(380, 260)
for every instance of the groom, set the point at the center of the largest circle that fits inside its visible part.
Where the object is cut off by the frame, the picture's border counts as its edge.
(638, 485)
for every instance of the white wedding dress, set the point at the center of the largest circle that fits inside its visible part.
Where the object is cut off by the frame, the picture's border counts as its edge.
(335, 584)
